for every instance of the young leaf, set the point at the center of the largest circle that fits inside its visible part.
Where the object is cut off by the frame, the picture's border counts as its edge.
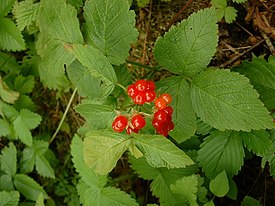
(162, 178)
(186, 188)
(110, 28)
(161, 152)
(7, 94)
(221, 151)
(96, 115)
(250, 201)
(257, 141)
(230, 14)
(188, 48)
(184, 116)
(9, 198)
(28, 187)
(219, 186)
(59, 21)
(5, 7)
(25, 13)
(105, 147)
(8, 160)
(226, 100)
(10, 37)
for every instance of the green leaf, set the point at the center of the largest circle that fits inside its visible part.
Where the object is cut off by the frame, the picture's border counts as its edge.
(59, 21)
(24, 102)
(7, 94)
(76, 3)
(239, 1)
(187, 188)
(10, 37)
(230, 14)
(24, 122)
(5, 7)
(105, 147)
(8, 111)
(28, 187)
(250, 201)
(24, 84)
(8, 159)
(43, 167)
(233, 190)
(5, 127)
(257, 141)
(219, 186)
(8, 63)
(161, 152)
(25, 13)
(40, 200)
(184, 116)
(188, 48)
(96, 115)
(267, 96)
(9, 198)
(219, 4)
(161, 178)
(226, 100)
(203, 128)
(269, 156)
(221, 151)
(110, 28)
(6, 182)
(28, 160)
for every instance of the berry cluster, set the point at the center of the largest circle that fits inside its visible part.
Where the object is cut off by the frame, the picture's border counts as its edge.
(122, 122)
(162, 120)
(142, 91)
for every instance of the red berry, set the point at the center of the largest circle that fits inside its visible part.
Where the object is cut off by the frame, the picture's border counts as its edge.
(129, 130)
(141, 85)
(160, 116)
(132, 91)
(140, 98)
(138, 121)
(170, 126)
(167, 97)
(169, 110)
(120, 123)
(157, 124)
(163, 131)
(150, 86)
(160, 103)
(150, 96)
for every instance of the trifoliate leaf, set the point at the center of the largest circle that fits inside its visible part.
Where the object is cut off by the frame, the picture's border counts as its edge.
(96, 115)
(7, 94)
(24, 102)
(226, 100)
(230, 14)
(161, 152)
(184, 116)
(161, 178)
(28, 187)
(188, 48)
(221, 151)
(59, 21)
(24, 84)
(110, 28)
(250, 201)
(10, 198)
(5, 7)
(257, 141)
(10, 37)
(8, 160)
(25, 13)
(186, 188)
(219, 186)
(5, 127)
(105, 147)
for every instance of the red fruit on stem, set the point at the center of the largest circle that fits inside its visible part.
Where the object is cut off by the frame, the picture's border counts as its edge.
(150, 86)
(160, 116)
(120, 123)
(141, 85)
(139, 98)
(132, 91)
(170, 126)
(138, 121)
(129, 130)
(150, 96)
(167, 97)
(157, 125)
(169, 110)
(160, 103)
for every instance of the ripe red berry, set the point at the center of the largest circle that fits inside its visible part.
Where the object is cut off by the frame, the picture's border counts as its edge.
(150, 96)
(132, 91)
(160, 116)
(141, 85)
(138, 121)
(150, 86)
(120, 123)
(157, 124)
(167, 97)
(139, 98)
(170, 126)
(160, 103)
(129, 130)
(169, 110)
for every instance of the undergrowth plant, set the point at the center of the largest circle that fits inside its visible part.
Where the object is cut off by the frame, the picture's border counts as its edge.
(219, 116)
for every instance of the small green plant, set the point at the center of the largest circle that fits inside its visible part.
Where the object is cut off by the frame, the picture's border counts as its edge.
(187, 134)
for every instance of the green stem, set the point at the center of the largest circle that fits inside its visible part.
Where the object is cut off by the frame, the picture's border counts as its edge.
(64, 116)
(121, 86)
(142, 65)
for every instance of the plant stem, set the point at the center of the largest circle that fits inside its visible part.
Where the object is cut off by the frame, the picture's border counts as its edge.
(64, 115)
(142, 65)
(121, 86)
